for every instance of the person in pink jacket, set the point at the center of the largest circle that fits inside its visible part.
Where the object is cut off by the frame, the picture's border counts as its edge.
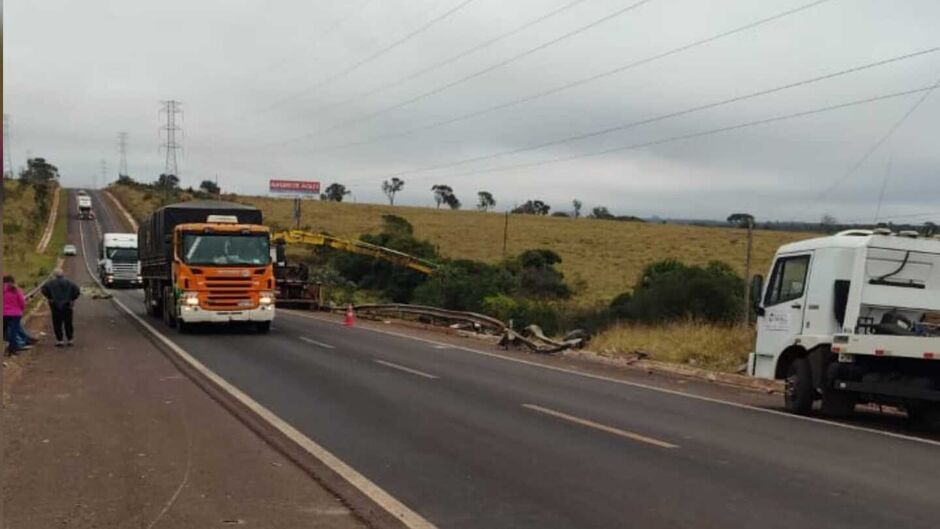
(14, 305)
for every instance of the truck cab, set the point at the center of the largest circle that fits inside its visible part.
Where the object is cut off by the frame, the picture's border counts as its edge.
(118, 260)
(852, 318)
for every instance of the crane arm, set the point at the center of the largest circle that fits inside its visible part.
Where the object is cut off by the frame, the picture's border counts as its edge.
(357, 247)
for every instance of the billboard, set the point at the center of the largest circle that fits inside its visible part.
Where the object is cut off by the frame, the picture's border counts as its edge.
(303, 187)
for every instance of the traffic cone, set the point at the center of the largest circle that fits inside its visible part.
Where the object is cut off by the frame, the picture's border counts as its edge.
(350, 316)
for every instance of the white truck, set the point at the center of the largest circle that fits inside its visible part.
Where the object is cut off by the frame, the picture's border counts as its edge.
(852, 319)
(84, 207)
(118, 260)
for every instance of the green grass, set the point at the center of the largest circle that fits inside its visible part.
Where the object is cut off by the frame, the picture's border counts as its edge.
(22, 230)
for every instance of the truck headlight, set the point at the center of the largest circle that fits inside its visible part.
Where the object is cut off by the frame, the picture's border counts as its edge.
(266, 298)
(191, 298)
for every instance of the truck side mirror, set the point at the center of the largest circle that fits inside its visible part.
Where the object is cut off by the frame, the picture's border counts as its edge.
(757, 287)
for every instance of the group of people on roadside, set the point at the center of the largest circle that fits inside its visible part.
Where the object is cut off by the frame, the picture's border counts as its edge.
(60, 293)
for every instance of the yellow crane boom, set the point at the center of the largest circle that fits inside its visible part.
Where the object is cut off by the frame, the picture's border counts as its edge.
(357, 247)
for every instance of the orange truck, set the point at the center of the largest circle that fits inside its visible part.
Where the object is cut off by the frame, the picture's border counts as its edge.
(207, 262)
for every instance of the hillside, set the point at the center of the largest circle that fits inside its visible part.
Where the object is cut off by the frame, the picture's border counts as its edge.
(22, 229)
(602, 258)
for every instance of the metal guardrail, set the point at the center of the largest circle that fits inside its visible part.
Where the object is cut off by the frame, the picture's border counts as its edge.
(533, 338)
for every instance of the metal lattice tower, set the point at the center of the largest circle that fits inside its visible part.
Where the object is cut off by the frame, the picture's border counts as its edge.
(172, 109)
(7, 148)
(104, 174)
(122, 148)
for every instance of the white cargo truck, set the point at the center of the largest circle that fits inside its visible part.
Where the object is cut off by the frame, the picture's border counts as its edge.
(118, 260)
(852, 319)
(84, 207)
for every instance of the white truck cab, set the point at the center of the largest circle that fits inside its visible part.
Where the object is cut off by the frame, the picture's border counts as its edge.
(118, 260)
(853, 318)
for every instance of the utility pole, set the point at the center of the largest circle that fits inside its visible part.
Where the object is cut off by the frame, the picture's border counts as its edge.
(171, 109)
(7, 148)
(122, 149)
(505, 234)
(747, 271)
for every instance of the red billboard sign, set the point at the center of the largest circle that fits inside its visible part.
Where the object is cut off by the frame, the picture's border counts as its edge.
(306, 187)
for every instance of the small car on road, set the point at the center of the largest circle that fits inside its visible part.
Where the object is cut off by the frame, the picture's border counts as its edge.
(69, 249)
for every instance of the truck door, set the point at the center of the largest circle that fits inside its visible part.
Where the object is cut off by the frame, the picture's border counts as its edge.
(784, 302)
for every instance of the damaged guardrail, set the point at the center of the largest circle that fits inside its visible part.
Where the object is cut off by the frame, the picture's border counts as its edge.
(531, 337)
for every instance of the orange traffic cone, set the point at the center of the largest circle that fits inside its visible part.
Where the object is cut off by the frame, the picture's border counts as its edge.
(350, 316)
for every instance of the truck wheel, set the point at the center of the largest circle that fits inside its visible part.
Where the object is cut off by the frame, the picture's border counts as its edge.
(263, 327)
(184, 327)
(836, 403)
(168, 306)
(925, 418)
(798, 392)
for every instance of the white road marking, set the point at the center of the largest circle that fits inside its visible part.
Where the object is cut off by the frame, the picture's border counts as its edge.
(641, 385)
(602, 427)
(395, 508)
(403, 368)
(314, 342)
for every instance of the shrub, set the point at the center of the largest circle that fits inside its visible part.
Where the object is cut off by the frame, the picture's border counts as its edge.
(464, 285)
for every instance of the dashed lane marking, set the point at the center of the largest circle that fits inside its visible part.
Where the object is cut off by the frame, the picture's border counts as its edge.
(314, 342)
(405, 369)
(602, 427)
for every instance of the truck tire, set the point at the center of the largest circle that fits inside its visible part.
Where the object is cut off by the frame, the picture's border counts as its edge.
(838, 404)
(263, 327)
(798, 394)
(168, 307)
(925, 418)
(184, 327)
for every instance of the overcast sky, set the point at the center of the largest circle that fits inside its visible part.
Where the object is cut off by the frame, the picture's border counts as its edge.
(326, 90)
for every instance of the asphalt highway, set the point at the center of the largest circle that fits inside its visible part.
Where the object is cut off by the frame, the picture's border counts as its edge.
(471, 440)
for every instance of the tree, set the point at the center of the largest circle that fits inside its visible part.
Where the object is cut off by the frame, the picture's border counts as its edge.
(167, 182)
(743, 220)
(487, 202)
(210, 187)
(601, 212)
(390, 188)
(930, 229)
(828, 222)
(441, 192)
(334, 192)
(42, 176)
(126, 180)
(452, 201)
(746, 221)
(533, 207)
(577, 208)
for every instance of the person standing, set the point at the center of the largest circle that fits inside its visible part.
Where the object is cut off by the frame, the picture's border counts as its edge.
(14, 305)
(61, 294)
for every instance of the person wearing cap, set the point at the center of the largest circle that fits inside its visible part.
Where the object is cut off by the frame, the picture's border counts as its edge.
(61, 294)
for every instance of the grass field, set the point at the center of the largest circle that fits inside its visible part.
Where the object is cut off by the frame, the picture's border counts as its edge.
(601, 258)
(21, 232)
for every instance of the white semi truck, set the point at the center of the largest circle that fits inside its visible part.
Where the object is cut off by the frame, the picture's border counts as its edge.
(118, 260)
(84, 207)
(852, 319)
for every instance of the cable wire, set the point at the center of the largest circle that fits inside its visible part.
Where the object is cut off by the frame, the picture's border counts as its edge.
(478, 73)
(682, 137)
(558, 89)
(670, 115)
(355, 66)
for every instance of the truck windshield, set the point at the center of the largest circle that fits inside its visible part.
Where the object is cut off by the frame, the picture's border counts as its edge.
(122, 255)
(220, 250)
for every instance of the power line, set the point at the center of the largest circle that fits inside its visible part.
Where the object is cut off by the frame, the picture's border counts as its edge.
(474, 75)
(122, 151)
(670, 115)
(564, 87)
(171, 109)
(453, 58)
(874, 147)
(355, 66)
(693, 135)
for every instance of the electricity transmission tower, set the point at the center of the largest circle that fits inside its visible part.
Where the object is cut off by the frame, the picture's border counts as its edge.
(104, 174)
(7, 148)
(171, 109)
(122, 147)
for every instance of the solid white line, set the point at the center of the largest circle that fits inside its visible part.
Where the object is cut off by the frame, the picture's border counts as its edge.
(602, 427)
(403, 368)
(386, 501)
(641, 385)
(314, 342)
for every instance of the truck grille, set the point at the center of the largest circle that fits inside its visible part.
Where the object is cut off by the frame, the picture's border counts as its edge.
(229, 293)
(124, 271)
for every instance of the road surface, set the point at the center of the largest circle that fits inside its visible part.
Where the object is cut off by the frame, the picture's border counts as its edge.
(475, 441)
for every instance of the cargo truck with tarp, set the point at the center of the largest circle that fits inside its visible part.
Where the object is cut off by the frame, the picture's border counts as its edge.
(207, 262)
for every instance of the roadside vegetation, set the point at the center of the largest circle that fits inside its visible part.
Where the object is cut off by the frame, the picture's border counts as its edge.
(671, 291)
(26, 208)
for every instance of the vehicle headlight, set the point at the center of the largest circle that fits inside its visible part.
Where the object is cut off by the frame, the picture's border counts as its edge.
(191, 298)
(266, 298)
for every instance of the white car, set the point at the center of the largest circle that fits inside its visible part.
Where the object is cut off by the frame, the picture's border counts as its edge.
(69, 249)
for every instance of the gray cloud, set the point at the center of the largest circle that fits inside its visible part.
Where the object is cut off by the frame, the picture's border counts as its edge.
(76, 73)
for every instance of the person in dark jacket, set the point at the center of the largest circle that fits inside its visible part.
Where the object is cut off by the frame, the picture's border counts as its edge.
(61, 294)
